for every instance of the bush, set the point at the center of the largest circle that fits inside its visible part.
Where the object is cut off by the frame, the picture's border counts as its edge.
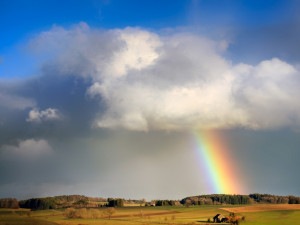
(70, 213)
(95, 214)
(83, 213)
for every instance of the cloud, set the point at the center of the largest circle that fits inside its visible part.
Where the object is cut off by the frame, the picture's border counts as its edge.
(268, 94)
(44, 115)
(140, 80)
(11, 101)
(180, 81)
(27, 149)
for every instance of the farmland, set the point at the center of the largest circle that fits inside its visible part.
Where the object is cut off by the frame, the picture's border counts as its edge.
(254, 214)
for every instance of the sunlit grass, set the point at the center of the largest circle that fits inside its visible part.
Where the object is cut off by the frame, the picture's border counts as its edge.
(149, 215)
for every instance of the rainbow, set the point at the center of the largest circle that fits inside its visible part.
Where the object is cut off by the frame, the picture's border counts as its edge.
(217, 162)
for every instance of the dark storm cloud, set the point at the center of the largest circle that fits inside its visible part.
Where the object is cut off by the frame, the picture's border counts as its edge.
(64, 93)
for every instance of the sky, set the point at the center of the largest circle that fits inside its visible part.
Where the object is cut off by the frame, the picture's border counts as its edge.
(149, 99)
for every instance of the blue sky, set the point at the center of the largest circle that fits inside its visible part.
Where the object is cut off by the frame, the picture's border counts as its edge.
(92, 90)
(22, 20)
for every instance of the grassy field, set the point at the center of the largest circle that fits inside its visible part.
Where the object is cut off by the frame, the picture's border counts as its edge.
(254, 214)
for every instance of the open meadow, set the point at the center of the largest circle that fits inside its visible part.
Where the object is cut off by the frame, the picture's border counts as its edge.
(254, 214)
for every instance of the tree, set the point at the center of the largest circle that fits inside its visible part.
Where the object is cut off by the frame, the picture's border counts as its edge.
(294, 200)
(118, 202)
(109, 212)
(187, 204)
(39, 203)
(9, 203)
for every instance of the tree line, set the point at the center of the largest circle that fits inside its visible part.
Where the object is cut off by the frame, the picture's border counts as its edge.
(165, 203)
(39, 203)
(11, 203)
(216, 199)
(273, 199)
(80, 201)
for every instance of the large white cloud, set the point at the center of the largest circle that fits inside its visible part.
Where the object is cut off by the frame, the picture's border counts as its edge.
(268, 93)
(177, 81)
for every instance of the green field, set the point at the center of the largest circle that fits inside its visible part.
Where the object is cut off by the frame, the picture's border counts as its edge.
(156, 215)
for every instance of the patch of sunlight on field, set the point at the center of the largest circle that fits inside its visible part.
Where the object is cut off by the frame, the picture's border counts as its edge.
(132, 204)
(284, 217)
(263, 207)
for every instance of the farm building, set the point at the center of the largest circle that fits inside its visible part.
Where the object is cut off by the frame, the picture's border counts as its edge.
(219, 218)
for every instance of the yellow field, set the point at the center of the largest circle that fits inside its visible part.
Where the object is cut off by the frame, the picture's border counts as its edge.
(261, 208)
(132, 204)
(255, 214)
